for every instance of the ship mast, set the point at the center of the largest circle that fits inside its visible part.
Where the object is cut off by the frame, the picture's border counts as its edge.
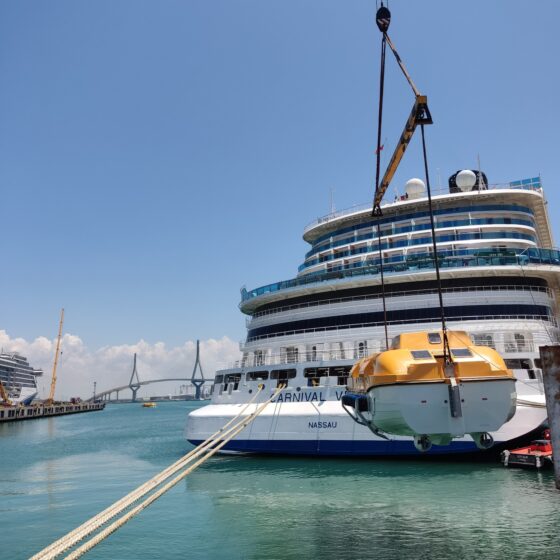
(56, 354)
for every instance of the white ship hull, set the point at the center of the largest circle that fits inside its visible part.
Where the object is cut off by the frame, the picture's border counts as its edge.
(322, 427)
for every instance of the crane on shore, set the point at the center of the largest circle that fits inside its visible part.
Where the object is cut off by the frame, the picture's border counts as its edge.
(50, 400)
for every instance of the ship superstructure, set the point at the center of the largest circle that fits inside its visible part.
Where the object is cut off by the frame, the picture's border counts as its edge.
(18, 378)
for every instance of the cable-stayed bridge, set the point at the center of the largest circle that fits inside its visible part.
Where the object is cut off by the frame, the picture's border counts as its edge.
(196, 380)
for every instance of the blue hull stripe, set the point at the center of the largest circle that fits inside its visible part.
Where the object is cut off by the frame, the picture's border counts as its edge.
(342, 447)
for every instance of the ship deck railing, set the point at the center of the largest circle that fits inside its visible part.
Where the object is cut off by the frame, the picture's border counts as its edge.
(351, 355)
(533, 256)
(302, 333)
(534, 184)
(401, 293)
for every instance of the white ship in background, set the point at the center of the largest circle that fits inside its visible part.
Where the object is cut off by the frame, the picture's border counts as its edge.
(18, 378)
(500, 276)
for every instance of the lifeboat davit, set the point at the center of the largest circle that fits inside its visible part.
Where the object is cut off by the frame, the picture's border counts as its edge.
(410, 390)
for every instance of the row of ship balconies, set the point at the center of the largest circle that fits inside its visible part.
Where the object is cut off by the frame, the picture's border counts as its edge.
(360, 233)
(491, 257)
(445, 241)
(496, 295)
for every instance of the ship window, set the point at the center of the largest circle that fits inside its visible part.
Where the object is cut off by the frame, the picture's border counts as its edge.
(483, 339)
(259, 357)
(362, 350)
(538, 363)
(218, 379)
(316, 372)
(519, 363)
(434, 338)
(461, 352)
(232, 379)
(257, 375)
(282, 375)
(313, 375)
(421, 354)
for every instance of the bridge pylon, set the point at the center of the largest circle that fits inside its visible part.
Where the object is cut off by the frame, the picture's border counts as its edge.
(134, 385)
(199, 381)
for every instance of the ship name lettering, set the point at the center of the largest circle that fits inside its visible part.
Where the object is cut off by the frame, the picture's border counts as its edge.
(322, 425)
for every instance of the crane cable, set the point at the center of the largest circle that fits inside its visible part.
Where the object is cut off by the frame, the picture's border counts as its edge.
(383, 20)
(78, 534)
(377, 208)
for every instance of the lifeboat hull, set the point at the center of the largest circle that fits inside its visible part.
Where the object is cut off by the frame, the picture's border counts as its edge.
(424, 408)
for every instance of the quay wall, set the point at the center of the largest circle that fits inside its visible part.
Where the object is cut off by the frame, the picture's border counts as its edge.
(14, 413)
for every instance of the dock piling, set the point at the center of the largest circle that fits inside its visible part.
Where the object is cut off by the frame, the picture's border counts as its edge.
(550, 356)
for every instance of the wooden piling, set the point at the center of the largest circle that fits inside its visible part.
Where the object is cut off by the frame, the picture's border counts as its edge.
(550, 356)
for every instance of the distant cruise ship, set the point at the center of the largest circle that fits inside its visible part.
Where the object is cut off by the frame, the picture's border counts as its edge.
(500, 277)
(19, 378)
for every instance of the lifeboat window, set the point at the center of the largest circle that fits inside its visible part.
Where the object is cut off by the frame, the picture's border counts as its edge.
(461, 352)
(421, 354)
(257, 375)
(434, 338)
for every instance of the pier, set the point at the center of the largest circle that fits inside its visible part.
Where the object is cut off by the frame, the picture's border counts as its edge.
(29, 412)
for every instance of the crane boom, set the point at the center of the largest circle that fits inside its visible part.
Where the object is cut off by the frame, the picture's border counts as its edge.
(420, 114)
(53, 381)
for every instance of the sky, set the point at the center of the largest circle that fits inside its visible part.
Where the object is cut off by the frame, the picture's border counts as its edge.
(155, 156)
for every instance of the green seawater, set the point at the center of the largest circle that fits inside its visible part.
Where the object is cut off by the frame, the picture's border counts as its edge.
(56, 473)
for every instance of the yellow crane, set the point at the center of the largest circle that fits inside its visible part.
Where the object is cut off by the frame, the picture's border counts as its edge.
(4, 397)
(53, 381)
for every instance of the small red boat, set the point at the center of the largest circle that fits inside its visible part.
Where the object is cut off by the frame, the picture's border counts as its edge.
(538, 454)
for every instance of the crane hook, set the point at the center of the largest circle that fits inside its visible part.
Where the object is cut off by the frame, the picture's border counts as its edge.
(383, 18)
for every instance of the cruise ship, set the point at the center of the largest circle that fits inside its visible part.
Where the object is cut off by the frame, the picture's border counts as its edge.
(18, 378)
(500, 281)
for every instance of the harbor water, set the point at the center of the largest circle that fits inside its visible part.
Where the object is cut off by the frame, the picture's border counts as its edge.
(57, 472)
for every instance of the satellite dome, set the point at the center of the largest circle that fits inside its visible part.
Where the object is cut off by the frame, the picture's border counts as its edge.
(466, 179)
(415, 188)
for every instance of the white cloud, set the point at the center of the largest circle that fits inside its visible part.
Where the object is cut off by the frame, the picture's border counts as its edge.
(111, 366)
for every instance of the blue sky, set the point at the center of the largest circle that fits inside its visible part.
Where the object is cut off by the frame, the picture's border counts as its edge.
(157, 155)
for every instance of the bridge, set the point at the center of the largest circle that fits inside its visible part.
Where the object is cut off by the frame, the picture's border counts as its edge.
(134, 384)
(106, 395)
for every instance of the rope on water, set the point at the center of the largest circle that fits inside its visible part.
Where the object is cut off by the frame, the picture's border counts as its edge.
(208, 448)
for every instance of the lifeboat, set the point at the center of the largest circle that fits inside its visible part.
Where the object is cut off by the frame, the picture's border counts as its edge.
(149, 404)
(413, 390)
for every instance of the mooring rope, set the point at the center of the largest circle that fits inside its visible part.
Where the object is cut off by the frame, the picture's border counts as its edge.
(225, 435)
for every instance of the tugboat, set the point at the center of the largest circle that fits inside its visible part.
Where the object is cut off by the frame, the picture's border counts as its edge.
(538, 454)
(412, 389)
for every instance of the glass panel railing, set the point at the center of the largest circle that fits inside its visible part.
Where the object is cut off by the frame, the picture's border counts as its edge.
(419, 227)
(418, 241)
(488, 257)
(423, 214)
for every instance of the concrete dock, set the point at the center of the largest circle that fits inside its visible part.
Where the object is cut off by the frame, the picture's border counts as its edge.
(14, 413)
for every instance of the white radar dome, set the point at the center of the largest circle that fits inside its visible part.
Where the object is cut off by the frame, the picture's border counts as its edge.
(465, 180)
(415, 188)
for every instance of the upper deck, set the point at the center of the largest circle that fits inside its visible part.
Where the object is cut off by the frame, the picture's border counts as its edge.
(504, 226)
(525, 191)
